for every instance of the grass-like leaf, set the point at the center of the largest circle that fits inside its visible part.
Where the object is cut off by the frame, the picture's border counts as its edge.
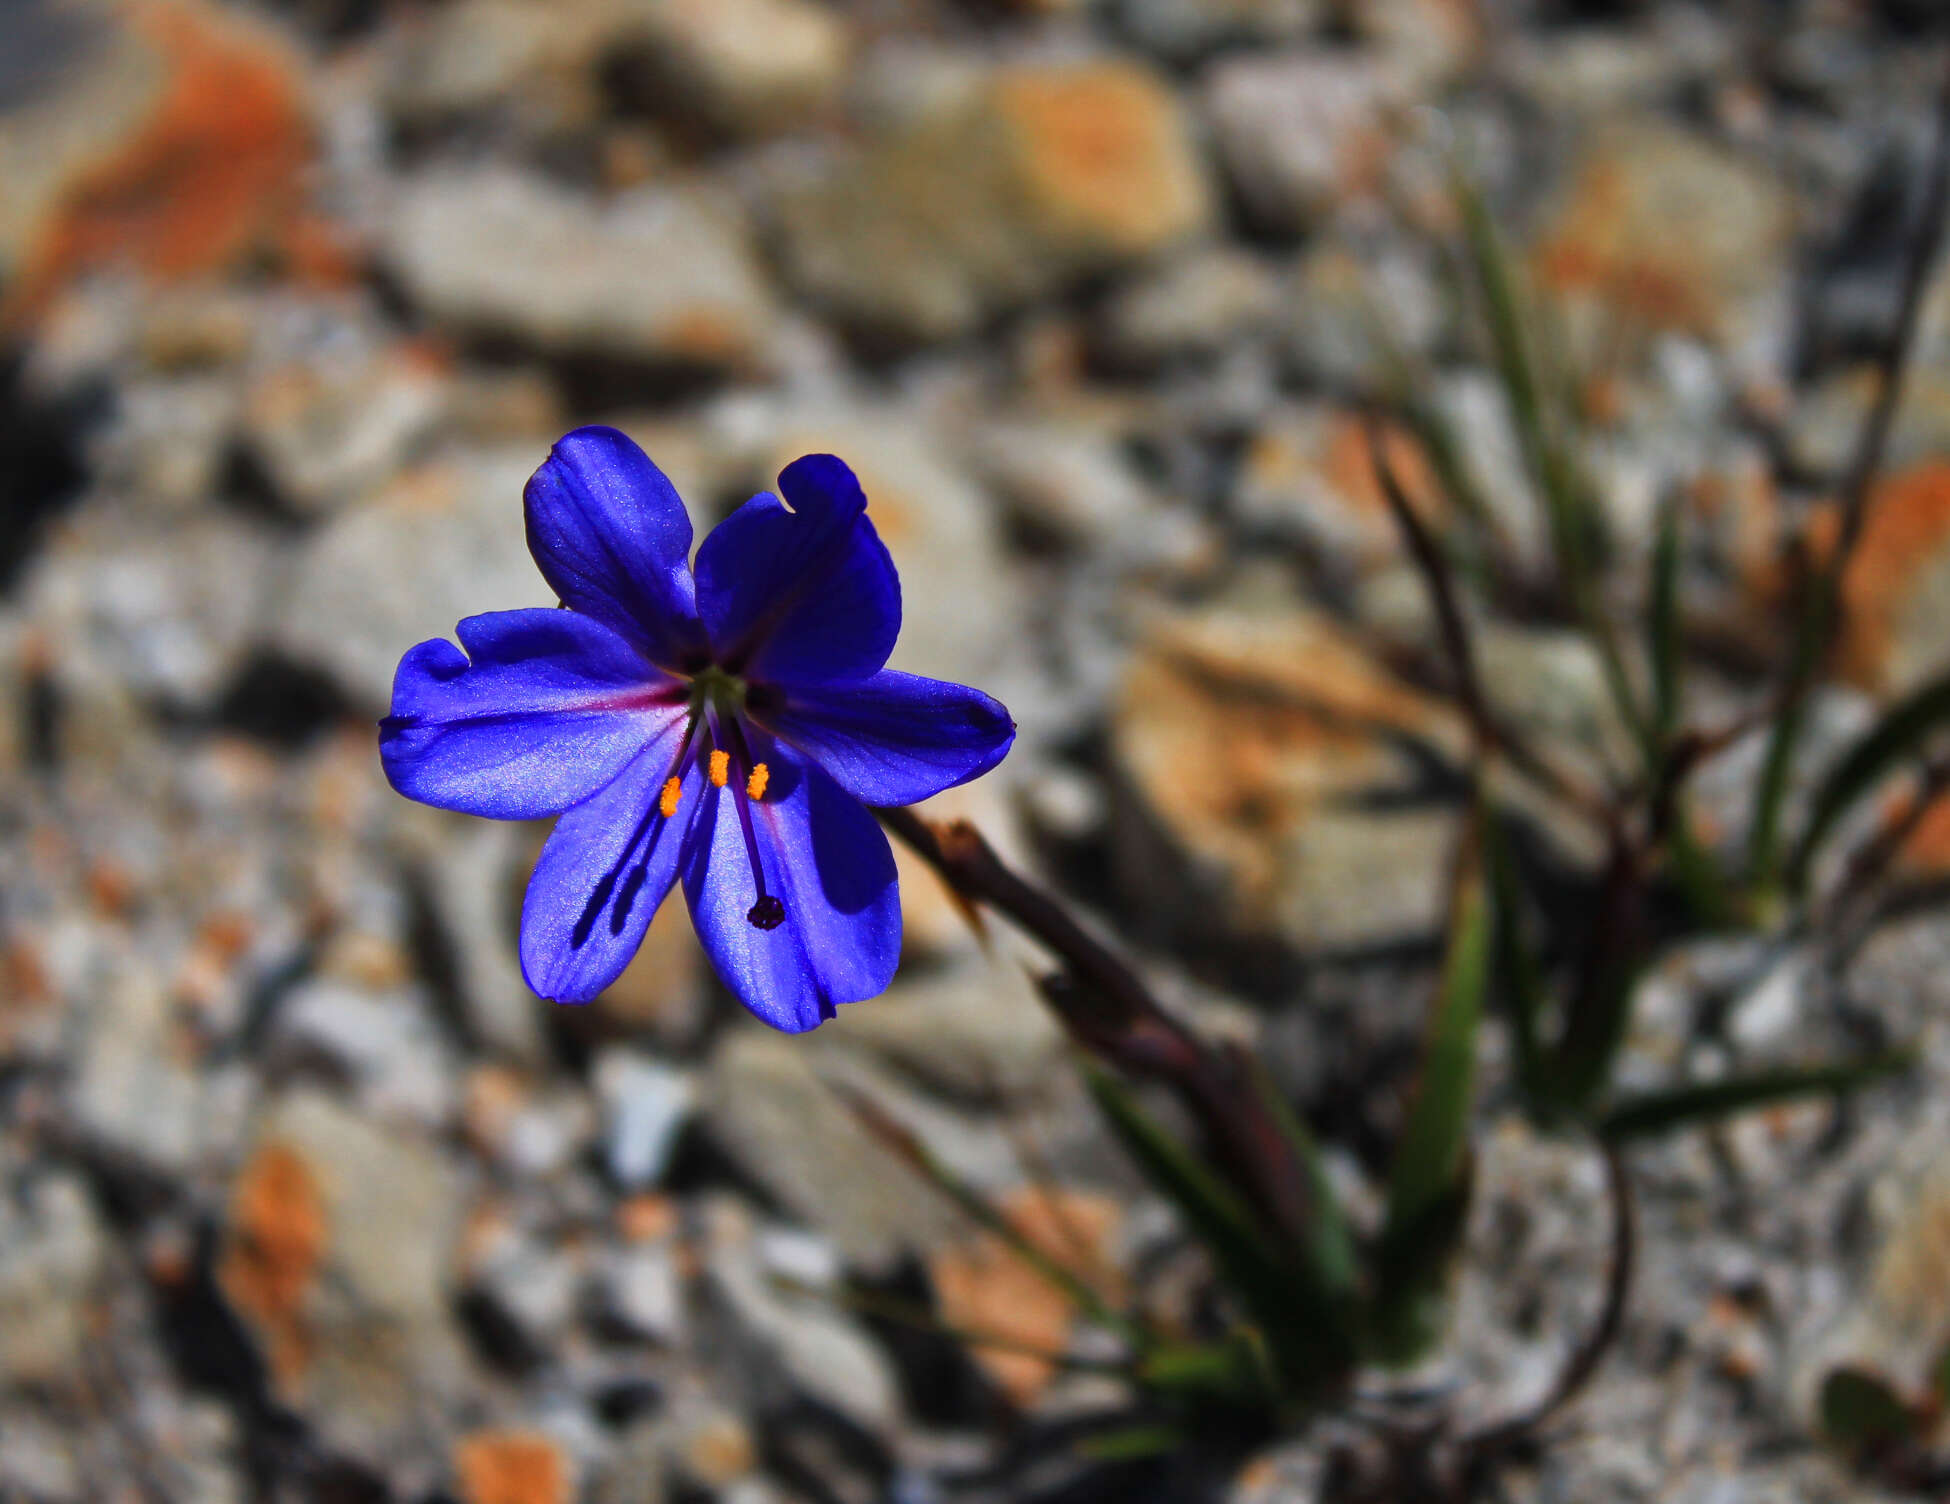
(1302, 1321)
(1861, 1413)
(1519, 979)
(1899, 734)
(1428, 1187)
(1641, 1115)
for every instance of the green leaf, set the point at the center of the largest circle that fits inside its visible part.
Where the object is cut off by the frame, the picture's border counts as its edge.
(1662, 626)
(1860, 1412)
(1576, 522)
(1658, 1111)
(1435, 1140)
(1903, 729)
(1518, 976)
(1709, 895)
(1301, 1318)
(1331, 1247)
(1233, 1369)
(1130, 1443)
(1598, 1013)
(1428, 1187)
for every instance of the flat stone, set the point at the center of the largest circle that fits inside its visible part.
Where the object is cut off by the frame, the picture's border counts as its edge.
(764, 1101)
(1656, 222)
(379, 1207)
(51, 1255)
(745, 67)
(442, 541)
(331, 426)
(173, 145)
(972, 1030)
(136, 1091)
(1190, 307)
(1182, 30)
(164, 607)
(1047, 174)
(1300, 132)
(1308, 475)
(661, 275)
(1235, 732)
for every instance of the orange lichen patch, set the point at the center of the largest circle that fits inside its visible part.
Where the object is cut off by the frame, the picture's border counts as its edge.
(711, 336)
(987, 1289)
(1903, 544)
(1104, 150)
(646, 1218)
(276, 1244)
(1349, 467)
(210, 173)
(1926, 850)
(511, 1467)
(1232, 727)
(1664, 228)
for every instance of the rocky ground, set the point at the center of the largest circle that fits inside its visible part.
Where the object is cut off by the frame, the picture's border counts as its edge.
(303, 1195)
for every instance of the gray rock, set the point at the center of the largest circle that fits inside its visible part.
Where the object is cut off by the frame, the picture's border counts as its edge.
(94, 93)
(133, 1092)
(1185, 29)
(1046, 174)
(1350, 309)
(441, 542)
(1357, 879)
(662, 275)
(745, 67)
(385, 1352)
(973, 1030)
(51, 1255)
(766, 1104)
(149, 604)
(645, 1103)
(1300, 132)
(1193, 306)
(1069, 481)
(644, 1290)
(385, 1039)
(822, 1351)
(167, 440)
(336, 423)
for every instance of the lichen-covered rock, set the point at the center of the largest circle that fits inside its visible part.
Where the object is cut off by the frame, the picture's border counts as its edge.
(1048, 173)
(655, 275)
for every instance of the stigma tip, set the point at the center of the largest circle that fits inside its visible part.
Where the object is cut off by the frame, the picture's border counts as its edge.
(767, 914)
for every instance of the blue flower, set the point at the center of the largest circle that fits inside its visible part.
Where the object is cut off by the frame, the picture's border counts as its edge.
(723, 727)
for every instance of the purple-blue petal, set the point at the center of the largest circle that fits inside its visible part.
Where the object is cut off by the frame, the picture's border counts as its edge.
(895, 738)
(603, 872)
(613, 540)
(543, 708)
(829, 863)
(806, 595)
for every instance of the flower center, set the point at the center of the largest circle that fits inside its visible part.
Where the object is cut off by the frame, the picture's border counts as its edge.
(718, 699)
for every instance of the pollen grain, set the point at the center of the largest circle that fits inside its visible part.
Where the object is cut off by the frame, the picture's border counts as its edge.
(755, 785)
(720, 768)
(673, 791)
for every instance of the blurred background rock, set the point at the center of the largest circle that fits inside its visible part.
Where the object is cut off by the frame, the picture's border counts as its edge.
(302, 1195)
